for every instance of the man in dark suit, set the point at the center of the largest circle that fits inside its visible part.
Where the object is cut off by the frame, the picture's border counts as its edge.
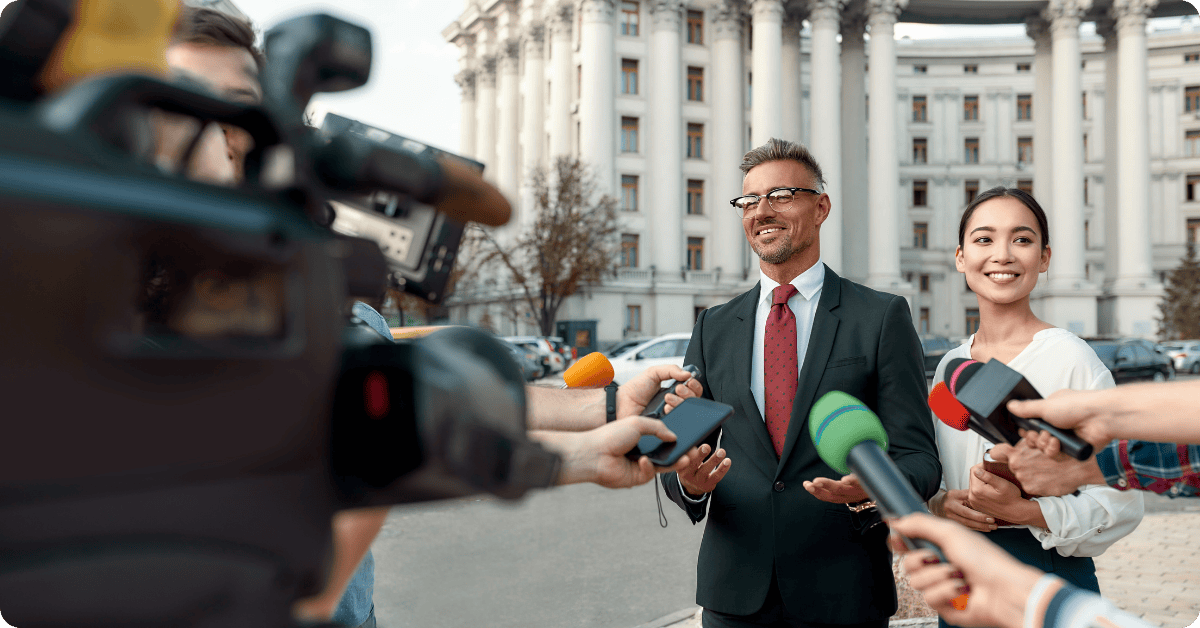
(786, 544)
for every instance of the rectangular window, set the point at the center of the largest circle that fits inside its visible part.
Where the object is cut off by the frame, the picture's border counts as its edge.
(971, 189)
(920, 69)
(920, 192)
(924, 283)
(1025, 150)
(578, 82)
(695, 27)
(629, 250)
(1191, 143)
(1085, 192)
(695, 197)
(970, 68)
(1025, 185)
(1193, 230)
(629, 135)
(1192, 57)
(971, 150)
(695, 141)
(633, 318)
(629, 76)
(695, 253)
(1191, 98)
(919, 109)
(695, 84)
(629, 18)
(1023, 67)
(1192, 187)
(1084, 104)
(972, 320)
(1024, 106)
(924, 324)
(629, 192)
(970, 108)
(920, 235)
(920, 152)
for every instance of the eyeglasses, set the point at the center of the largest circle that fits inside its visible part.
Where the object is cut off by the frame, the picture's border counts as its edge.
(780, 200)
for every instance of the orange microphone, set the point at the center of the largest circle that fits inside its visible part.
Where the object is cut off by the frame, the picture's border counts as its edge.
(591, 371)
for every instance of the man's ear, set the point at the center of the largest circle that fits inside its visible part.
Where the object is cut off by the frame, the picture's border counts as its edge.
(824, 206)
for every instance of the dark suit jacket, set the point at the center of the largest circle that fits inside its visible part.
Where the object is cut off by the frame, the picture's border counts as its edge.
(831, 567)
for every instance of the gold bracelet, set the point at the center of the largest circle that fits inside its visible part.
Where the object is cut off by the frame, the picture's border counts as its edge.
(861, 506)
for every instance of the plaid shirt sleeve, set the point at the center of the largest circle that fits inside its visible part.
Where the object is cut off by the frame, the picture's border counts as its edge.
(1163, 468)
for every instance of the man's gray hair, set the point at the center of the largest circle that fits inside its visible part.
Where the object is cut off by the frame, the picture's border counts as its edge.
(782, 150)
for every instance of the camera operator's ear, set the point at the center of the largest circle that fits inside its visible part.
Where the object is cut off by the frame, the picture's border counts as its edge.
(311, 54)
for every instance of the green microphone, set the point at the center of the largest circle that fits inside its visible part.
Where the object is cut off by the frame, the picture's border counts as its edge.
(850, 439)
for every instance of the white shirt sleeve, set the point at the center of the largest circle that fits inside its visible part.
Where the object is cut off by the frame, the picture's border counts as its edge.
(1088, 523)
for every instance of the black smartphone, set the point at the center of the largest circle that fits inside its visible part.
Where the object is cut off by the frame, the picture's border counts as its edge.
(691, 421)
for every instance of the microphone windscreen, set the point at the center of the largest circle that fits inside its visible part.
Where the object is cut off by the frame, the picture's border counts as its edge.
(947, 408)
(958, 371)
(837, 423)
(591, 371)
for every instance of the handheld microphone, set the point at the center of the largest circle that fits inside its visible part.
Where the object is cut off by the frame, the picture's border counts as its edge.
(949, 411)
(591, 371)
(849, 437)
(658, 403)
(985, 390)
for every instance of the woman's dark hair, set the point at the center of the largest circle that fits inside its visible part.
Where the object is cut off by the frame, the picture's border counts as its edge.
(1000, 191)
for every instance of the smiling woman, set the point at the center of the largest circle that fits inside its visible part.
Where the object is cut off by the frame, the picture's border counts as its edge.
(1003, 248)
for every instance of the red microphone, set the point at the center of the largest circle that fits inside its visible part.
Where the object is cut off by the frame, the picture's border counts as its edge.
(591, 371)
(947, 408)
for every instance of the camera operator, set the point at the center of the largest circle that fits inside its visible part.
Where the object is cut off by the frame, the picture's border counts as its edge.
(1160, 421)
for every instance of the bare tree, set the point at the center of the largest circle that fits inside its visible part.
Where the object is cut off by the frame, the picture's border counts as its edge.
(1180, 305)
(572, 241)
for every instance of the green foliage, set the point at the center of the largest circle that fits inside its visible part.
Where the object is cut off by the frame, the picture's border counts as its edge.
(1180, 306)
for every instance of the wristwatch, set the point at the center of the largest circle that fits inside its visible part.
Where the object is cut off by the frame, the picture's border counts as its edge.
(610, 402)
(865, 504)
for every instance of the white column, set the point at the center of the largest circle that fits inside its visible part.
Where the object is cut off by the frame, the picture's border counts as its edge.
(1067, 132)
(1004, 142)
(730, 110)
(883, 171)
(466, 120)
(533, 127)
(766, 116)
(789, 66)
(507, 102)
(598, 137)
(666, 137)
(1106, 28)
(1043, 97)
(560, 81)
(853, 203)
(485, 116)
(826, 131)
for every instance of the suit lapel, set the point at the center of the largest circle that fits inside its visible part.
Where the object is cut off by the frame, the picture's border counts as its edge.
(754, 430)
(820, 344)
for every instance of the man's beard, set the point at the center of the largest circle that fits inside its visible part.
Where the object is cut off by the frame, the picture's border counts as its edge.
(782, 254)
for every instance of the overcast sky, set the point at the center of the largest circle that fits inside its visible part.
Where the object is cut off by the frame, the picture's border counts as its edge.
(412, 90)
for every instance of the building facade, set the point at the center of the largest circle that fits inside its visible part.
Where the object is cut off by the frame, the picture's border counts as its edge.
(1098, 118)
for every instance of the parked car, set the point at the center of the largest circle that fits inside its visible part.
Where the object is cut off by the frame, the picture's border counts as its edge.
(530, 362)
(560, 345)
(1130, 360)
(665, 349)
(552, 360)
(1185, 354)
(935, 347)
(625, 345)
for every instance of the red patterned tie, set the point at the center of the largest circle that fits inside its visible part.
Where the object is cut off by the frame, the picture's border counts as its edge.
(780, 372)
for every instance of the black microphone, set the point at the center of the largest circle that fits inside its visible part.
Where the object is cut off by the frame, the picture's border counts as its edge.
(849, 437)
(985, 390)
(657, 406)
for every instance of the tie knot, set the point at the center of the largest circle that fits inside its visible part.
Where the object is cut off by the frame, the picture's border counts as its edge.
(781, 294)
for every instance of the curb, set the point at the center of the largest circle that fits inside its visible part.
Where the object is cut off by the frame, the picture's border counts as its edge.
(673, 618)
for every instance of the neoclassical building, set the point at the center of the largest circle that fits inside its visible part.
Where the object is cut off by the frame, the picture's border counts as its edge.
(1095, 110)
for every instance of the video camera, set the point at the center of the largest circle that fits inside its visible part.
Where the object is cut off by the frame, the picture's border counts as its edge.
(187, 400)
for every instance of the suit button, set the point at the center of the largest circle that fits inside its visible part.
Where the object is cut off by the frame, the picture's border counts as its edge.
(779, 487)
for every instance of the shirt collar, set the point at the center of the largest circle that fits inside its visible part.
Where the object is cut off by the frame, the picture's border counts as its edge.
(808, 283)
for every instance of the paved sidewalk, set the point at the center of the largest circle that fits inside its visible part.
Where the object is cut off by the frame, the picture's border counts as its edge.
(1153, 573)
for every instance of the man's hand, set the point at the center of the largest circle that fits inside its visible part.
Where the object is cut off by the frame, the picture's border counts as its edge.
(1075, 409)
(994, 495)
(847, 490)
(955, 506)
(633, 395)
(701, 476)
(1044, 473)
(598, 455)
(998, 584)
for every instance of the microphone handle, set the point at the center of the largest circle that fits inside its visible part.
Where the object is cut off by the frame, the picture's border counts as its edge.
(1072, 444)
(892, 493)
(658, 403)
